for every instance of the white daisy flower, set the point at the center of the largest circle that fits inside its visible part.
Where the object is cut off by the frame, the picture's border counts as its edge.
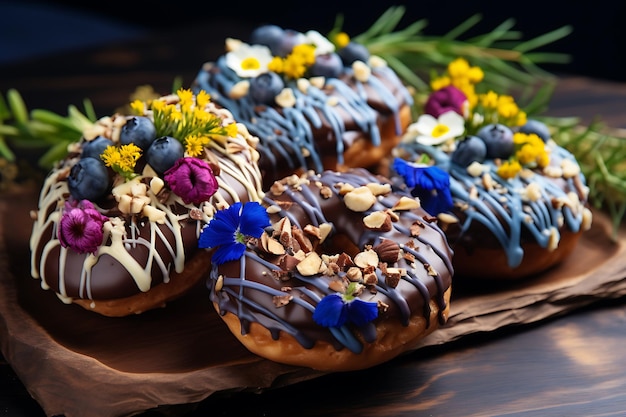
(249, 61)
(322, 44)
(431, 131)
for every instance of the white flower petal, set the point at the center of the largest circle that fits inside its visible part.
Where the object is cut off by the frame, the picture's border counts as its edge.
(322, 44)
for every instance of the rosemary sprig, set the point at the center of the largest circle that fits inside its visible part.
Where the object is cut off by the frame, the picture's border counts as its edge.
(511, 64)
(509, 61)
(39, 131)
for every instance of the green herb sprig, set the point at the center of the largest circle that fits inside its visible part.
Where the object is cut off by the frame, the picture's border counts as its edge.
(511, 64)
(39, 131)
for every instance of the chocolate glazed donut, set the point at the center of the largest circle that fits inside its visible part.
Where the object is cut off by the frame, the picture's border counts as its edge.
(148, 251)
(331, 233)
(349, 116)
(510, 229)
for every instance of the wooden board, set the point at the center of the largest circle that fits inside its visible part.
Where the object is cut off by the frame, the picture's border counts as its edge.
(72, 360)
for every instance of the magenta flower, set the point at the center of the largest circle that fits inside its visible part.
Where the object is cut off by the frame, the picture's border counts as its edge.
(80, 227)
(444, 100)
(191, 179)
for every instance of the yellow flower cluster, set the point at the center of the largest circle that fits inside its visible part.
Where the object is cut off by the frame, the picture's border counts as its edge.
(530, 151)
(122, 159)
(339, 39)
(188, 120)
(492, 108)
(296, 64)
(462, 76)
(500, 109)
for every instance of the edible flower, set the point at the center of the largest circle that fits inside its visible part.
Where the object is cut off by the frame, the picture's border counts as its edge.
(530, 152)
(446, 99)
(230, 229)
(122, 159)
(192, 179)
(249, 61)
(429, 130)
(187, 120)
(430, 183)
(80, 227)
(335, 310)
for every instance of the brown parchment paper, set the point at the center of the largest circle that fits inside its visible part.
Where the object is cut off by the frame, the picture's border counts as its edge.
(72, 360)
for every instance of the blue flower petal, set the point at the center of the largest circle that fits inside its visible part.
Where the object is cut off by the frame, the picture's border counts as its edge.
(431, 184)
(330, 311)
(229, 252)
(404, 170)
(361, 312)
(254, 219)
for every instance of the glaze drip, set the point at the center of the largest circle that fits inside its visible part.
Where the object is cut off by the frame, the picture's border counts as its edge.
(248, 287)
(504, 207)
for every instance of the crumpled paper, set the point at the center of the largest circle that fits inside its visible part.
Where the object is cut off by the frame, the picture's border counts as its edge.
(72, 360)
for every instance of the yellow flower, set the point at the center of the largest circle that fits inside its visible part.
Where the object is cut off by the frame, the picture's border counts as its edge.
(110, 156)
(341, 39)
(202, 99)
(509, 169)
(304, 52)
(231, 130)
(531, 150)
(185, 96)
(194, 145)
(475, 75)
(122, 159)
(276, 65)
(439, 83)
(458, 68)
(489, 100)
(138, 107)
(294, 67)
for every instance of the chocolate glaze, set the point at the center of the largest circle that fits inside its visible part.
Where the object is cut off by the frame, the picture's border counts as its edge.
(136, 253)
(313, 134)
(499, 214)
(248, 287)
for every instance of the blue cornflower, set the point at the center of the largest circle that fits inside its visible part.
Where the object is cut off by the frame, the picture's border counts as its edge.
(335, 310)
(430, 183)
(231, 227)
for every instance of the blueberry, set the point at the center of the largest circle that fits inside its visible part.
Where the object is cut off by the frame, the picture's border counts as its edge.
(268, 35)
(536, 127)
(468, 150)
(138, 130)
(265, 87)
(354, 52)
(287, 41)
(327, 65)
(499, 140)
(163, 153)
(95, 147)
(88, 179)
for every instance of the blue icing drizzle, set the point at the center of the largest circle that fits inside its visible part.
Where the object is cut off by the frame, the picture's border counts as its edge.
(284, 134)
(307, 291)
(502, 209)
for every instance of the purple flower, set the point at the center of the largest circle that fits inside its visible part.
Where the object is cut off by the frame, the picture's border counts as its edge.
(231, 227)
(444, 100)
(80, 227)
(430, 183)
(192, 179)
(335, 310)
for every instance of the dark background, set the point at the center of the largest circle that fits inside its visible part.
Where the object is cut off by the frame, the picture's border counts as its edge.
(597, 44)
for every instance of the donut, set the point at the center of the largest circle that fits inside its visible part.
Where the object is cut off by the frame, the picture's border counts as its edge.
(313, 105)
(512, 202)
(345, 272)
(118, 220)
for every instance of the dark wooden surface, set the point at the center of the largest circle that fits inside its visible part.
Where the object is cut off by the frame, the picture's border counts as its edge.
(571, 365)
